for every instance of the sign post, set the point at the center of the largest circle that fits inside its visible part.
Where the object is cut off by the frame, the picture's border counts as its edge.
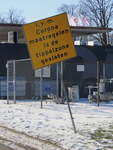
(74, 128)
(50, 41)
(41, 88)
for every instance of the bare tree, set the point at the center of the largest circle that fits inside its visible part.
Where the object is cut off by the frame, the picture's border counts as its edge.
(69, 9)
(100, 15)
(13, 16)
(2, 20)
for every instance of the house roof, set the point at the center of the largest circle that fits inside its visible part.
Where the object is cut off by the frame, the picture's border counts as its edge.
(75, 31)
(5, 28)
(79, 31)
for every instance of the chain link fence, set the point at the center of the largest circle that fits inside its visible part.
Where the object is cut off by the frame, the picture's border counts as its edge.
(24, 83)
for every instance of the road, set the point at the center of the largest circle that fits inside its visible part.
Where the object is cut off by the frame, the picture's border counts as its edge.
(14, 140)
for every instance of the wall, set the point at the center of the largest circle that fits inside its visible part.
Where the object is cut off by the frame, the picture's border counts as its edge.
(71, 75)
(11, 51)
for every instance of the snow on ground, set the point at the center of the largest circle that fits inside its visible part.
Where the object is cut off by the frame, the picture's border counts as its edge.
(53, 122)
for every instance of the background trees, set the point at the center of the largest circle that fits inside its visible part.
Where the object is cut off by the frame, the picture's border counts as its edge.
(13, 16)
(98, 12)
(2, 18)
(69, 9)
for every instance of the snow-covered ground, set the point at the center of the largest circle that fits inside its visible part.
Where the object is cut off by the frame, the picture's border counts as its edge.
(53, 122)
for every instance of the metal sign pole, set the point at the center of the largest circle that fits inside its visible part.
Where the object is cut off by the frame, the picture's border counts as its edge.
(41, 88)
(57, 81)
(62, 78)
(74, 128)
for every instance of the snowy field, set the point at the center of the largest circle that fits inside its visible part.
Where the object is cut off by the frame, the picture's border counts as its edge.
(94, 124)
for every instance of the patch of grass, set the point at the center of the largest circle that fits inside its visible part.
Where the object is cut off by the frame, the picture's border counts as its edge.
(101, 129)
(108, 136)
(86, 124)
(111, 147)
(63, 129)
(83, 132)
(94, 138)
(110, 131)
(111, 127)
(98, 134)
(102, 133)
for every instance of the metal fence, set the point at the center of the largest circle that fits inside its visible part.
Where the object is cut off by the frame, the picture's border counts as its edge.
(24, 83)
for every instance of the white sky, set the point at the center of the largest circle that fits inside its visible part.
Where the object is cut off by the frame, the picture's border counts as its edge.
(34, 10)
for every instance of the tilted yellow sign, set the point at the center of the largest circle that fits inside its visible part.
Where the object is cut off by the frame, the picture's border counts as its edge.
(49, 41)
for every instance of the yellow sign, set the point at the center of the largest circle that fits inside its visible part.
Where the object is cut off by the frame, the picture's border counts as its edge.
(49, 41)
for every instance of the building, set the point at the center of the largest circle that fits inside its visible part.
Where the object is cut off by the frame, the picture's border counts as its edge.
(76, 71)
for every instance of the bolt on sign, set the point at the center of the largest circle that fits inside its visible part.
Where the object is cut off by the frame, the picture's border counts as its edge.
(49, 41)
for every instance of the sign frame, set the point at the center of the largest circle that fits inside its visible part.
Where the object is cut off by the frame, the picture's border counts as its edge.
(49, 41)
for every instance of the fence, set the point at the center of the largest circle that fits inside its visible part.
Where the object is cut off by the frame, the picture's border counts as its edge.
(24, 83)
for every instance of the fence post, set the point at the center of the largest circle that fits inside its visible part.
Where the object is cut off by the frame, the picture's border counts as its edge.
(14, 81)
(104, 75)
(98, 83)
(7, 82)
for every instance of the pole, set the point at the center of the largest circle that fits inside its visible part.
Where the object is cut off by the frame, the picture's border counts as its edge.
(65, 93)
(41, 88)
(98, 83)
(57, 81)
(104, 75)
(89, 38)
(14, 82)
(62, 79)
(7, 82)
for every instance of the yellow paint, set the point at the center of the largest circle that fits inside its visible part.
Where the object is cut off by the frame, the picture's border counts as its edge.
(49, 41)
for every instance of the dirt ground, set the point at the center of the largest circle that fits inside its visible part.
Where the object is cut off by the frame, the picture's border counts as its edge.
(14, 140)
(4, 147)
